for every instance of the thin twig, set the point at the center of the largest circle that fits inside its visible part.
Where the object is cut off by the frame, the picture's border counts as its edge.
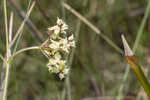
(22, 50)
(94, 28)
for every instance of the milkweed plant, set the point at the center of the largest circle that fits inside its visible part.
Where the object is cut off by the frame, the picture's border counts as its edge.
(57, 48)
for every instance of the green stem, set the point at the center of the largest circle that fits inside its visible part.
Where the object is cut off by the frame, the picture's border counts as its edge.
(7, 67)
(7, 51)
(135, 66)
(6, 26)
(68, 87)
(6, 82)
(143, 80)
(139, 96)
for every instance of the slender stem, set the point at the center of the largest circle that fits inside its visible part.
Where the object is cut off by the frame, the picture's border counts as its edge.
(7, 51)
(68, 88)
(6, 26)
(63, 94)
(22, 50)
(6, 82)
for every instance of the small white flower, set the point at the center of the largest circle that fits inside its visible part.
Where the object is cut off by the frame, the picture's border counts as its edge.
(72, 44)
(54, 44)
(53, 66)
(63, 41)
(66, 71)
(53, 69)
(71, 38)
(52, 62)
(62, 64)
(61, 76)
(64, 45)
(57, 56)
(59, 21)
(71, 41)
(56, 69)
(64, 27)
(55, 29)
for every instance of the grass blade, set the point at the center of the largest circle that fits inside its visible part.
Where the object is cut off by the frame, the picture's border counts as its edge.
(135, 66)
(138, 37)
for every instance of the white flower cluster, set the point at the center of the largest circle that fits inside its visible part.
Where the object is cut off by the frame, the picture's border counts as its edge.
(58, 47)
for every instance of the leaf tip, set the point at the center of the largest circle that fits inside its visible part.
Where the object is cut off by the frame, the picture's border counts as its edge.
(127, 50)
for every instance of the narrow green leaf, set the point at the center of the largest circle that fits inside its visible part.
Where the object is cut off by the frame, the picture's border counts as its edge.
(135, 66)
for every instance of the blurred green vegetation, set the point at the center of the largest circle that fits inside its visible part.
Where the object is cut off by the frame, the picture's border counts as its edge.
(29, 77)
